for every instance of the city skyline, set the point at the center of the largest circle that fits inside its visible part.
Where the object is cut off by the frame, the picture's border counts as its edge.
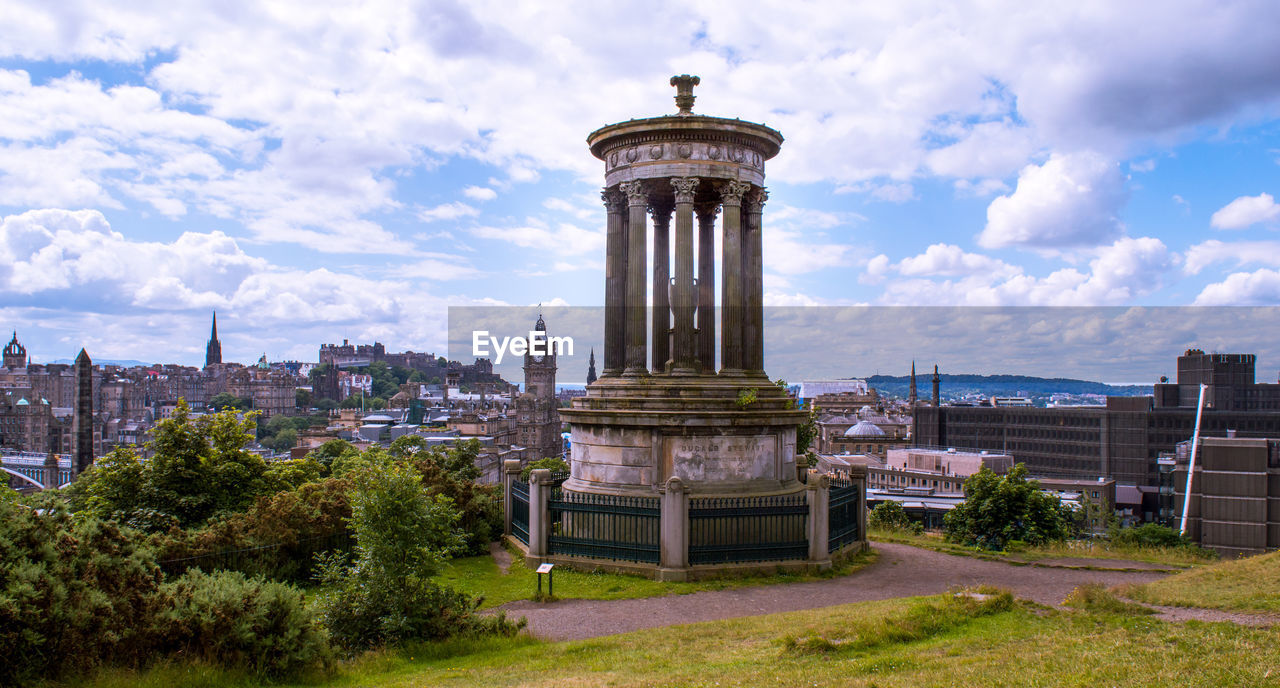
(390, 163)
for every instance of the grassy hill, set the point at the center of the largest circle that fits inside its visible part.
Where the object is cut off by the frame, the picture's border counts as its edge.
(931, 641)
(1251, 585)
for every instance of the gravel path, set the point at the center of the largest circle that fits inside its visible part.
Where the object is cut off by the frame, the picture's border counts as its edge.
(899, 571)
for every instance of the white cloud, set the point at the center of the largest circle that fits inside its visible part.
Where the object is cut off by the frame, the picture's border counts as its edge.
(948, 260)
(447, 211)
(1119, 273)
(565, 239)
(1237, 253)
(1261, 288)
(1246, 211)
(480, 193)
(1071, 200)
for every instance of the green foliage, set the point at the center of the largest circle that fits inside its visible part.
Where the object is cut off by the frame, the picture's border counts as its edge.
(227, 619)
(403, 535)
(328, 452)
(451, 473)
(74, 594)
(1150, 535)
(302, 398)
(199, 468)
(889, 515)
(224, 401)
(747, 397)
(290, 526)
(554, 464)
(999, 510)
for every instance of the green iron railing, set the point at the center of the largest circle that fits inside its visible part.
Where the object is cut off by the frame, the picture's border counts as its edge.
(520, 510)
(604, 526)
(744, 529)
(842, 514)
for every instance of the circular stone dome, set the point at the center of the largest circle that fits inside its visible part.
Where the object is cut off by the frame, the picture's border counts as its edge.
(864, 429)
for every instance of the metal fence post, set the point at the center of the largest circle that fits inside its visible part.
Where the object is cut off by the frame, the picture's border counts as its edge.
(539, 492)
(674, 526)
(818, 494)
(510, 471)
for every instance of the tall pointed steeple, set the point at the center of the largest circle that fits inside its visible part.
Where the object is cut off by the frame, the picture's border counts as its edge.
(213, 351)
(591, 367)
(911, 391)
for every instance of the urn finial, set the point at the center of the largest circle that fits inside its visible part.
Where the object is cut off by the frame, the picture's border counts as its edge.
(684, 92)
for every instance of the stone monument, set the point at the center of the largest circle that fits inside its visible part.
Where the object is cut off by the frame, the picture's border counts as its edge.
(664, 406)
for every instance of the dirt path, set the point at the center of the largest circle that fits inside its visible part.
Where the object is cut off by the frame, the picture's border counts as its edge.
(900, 571)
(500, 555)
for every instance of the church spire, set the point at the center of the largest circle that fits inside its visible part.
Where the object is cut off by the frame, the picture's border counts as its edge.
(937, 379)
(213, 351)
(591, 367)
(911, 392)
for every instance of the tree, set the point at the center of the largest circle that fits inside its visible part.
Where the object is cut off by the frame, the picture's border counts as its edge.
(889, 515)
(386, 595)
(302, 398)
(198, 468)
(223, 401)
(999, 510)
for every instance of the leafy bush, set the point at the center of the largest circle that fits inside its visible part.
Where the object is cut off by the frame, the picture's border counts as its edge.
(199, 469)
(298, 523)
(227, 619)
(554, 464)
(1150, 535)
(386, 595)
(889, 515)
(73, 595)
(1000, 509)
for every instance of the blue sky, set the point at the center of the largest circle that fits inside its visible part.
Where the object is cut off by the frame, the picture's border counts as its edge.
(321, 171)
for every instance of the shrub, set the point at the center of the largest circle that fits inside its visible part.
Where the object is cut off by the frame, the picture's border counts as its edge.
(554, 464)
(73, 595)
(291, 527)
(386, 595)
(227, 619)
(889, 515)
(1150, 535)
(1000, 509)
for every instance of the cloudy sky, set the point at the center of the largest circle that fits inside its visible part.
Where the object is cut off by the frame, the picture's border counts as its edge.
(317, 172)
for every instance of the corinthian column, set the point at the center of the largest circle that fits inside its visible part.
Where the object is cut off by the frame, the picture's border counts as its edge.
(661, 276)
(753, 285)
(684, 360)
(707, 287)
(731, 284)
(637, 201)
(615, 283)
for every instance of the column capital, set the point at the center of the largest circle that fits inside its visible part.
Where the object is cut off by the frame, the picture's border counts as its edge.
(635, 192)
(707, 211)
(732, 192)
(661, 213)
(684, 188)
(613, 199)
(756, 199)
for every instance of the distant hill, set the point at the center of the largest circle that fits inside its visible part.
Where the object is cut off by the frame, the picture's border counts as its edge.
(123, 363)
(955, 386)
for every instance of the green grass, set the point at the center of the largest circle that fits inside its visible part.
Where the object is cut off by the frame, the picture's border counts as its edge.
(480, 576)
(1251, 584)
(1170, 557)
(932, 641)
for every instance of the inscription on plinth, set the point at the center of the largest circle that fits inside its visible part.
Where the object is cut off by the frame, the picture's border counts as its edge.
(728, 458)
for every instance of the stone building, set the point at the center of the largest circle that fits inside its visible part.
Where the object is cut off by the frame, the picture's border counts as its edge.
(1235, 494)
(537, 409)
(1120, 441)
